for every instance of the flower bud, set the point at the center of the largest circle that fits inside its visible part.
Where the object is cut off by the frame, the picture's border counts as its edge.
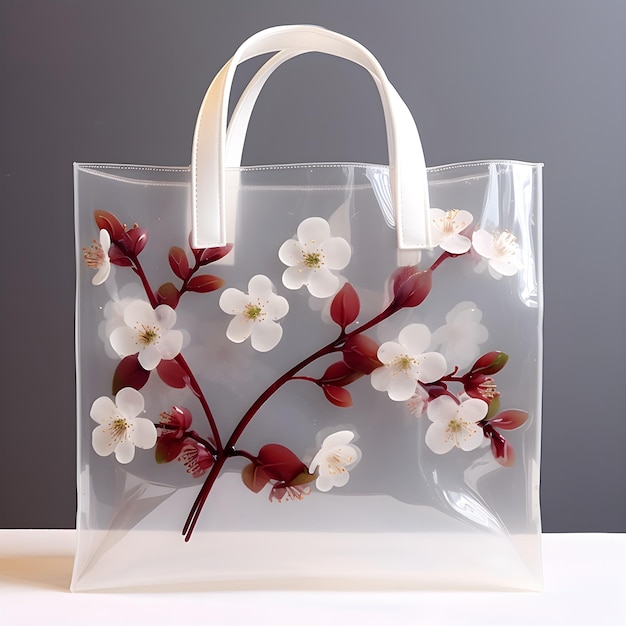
(410, 286)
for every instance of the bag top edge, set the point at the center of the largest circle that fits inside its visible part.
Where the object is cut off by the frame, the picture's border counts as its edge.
(434, 168)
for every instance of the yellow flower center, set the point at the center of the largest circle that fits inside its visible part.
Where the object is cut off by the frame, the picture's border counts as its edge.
(455, 426)
(458, 428)
(118, 428)
(404, 362)
(148, 334)
(312, 260)
(253, 312)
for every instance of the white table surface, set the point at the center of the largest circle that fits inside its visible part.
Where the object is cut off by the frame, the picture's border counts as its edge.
(585, 583)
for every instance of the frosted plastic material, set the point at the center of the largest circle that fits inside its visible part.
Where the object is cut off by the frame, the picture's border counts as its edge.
(311, 407)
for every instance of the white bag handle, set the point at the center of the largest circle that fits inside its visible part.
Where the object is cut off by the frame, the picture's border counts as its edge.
(209, 158)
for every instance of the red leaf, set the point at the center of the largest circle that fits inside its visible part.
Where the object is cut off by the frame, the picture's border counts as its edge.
(345, 306)
(490, 363)
(136, 239)
(178, 262)
(254, 477)
(510, 419)
(110, 223)
(172, 374)
(204, 256)
(361, 354)
(502, 450)
(167, 448)
(279, 462)
(129, 373)
(168, 294)
(410, 286)
(205, 283)
(340, 374)
(339, 396)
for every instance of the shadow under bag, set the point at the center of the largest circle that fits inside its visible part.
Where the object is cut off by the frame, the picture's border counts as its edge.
(321, 375)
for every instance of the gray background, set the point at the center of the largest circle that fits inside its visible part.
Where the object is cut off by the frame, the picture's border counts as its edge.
(121, 81)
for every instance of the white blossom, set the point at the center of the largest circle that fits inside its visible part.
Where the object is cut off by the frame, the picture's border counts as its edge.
(313, 257)
(147, 331)
(120, 430)
(455, 425)
(405, 362)
(256, 313)
(334, 460)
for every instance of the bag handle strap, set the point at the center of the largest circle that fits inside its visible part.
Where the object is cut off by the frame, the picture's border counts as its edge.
(407, 168)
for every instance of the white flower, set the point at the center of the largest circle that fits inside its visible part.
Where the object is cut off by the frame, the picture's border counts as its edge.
(255, 313)
(120, 429)
(147, 331)
(447, 226)
(334, 459)
(455, 424)
(461, 335)
(312, 256)
(501, 251)
(97, 257)
(405, 362)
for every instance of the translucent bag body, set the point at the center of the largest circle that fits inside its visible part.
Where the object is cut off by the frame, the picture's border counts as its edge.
(309, 406)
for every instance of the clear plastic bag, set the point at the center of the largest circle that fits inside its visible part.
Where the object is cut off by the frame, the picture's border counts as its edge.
(311, 406)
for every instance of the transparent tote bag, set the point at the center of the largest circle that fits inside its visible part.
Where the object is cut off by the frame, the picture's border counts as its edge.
(310, 375)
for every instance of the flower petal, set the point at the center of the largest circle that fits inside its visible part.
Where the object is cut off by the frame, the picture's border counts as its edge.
(442, 409)
(473, 410)
(324, 482)
(290, 253)
(455, 244)
(124, 341)
(402, 387)
(432, 366)
(339, 480)
(166, 316)
(102, 274)
(322, 283)
(239, 328)
(296, 276)
(471, 438)
(144, 433)
(139, 312)
(125, 452)
(438, 439)
(259, 286)
(337, 253)
(171, 344)
(149, 357)
(506, 266)
(266, 335)
(105, 240)
(415, 338)
(101, 441)
(129, 402)
(339, 438)
(103, 409)
(482, 241)
(233, 301)
(390, 351)
(277, 307)
(313, 230)
(381, 378)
